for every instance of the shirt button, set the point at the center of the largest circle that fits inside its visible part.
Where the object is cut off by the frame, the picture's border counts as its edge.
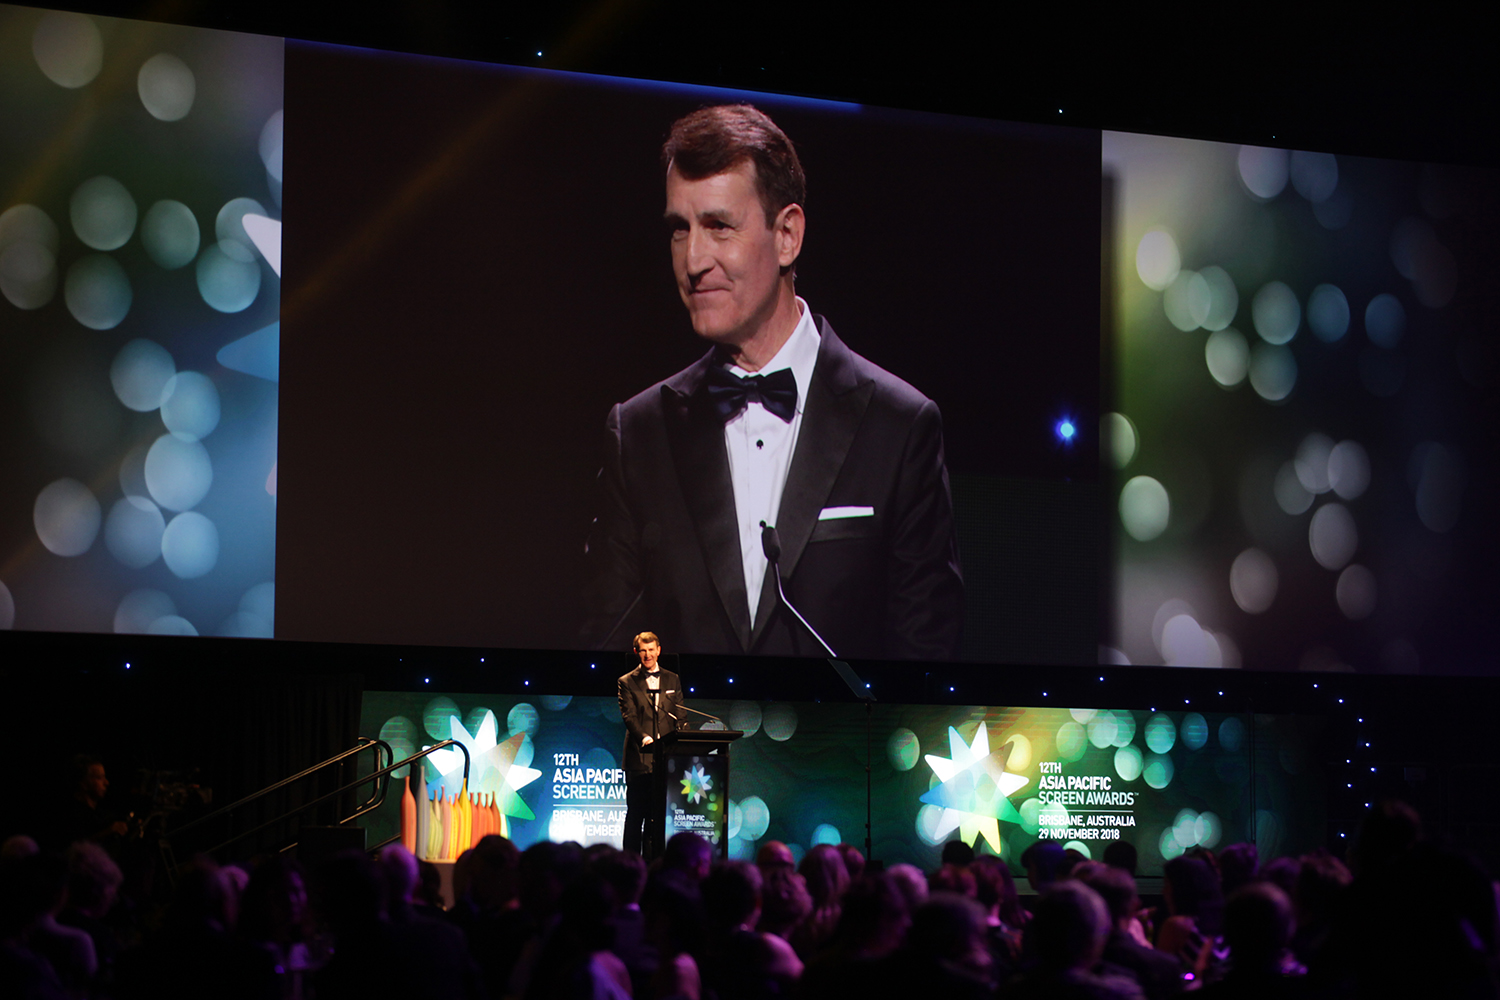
(760, 444)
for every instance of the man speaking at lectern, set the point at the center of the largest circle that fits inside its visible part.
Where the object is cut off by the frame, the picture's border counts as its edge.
(649, 701)
(780, 425)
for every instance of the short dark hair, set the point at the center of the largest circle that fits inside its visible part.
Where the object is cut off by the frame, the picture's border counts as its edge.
(715, 139)
(649, 638)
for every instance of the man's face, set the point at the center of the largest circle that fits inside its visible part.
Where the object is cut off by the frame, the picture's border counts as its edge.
(648, 652)
(95, 784)
(726, 259)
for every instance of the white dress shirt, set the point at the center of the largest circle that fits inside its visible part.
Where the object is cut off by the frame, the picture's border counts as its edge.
(760, 448)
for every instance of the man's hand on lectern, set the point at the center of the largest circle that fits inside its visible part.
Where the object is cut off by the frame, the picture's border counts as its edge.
(646, 741)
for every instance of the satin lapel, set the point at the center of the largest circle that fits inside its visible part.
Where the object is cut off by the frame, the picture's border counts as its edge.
(697, 441)
(836, 402)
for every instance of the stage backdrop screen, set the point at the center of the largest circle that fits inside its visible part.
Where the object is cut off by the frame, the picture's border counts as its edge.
(547, 768)
(140, 257)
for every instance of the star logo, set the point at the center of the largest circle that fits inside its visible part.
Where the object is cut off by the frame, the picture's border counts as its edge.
(975, 790)
(492, 766)
(696, 784)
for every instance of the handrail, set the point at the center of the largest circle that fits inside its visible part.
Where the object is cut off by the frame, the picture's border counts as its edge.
(374, 802)
(365, 743)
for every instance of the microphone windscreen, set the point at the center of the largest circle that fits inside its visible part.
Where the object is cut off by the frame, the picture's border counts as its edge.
(770, 543)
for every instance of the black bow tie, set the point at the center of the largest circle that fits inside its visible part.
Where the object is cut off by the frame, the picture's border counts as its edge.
(729, 394)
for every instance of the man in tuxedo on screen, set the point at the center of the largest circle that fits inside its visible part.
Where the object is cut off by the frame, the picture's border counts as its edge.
(650, 707)
(779, 424)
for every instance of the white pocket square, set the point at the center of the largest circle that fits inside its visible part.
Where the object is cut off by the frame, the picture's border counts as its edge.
(834, 513)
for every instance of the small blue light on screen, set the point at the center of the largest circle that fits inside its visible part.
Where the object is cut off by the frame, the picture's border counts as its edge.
(1065, 430)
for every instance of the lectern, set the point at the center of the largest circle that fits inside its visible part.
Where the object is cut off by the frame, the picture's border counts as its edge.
(691, 786)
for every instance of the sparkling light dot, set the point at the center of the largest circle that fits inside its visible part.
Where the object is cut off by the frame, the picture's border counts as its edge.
(178, 473)
(190, 545)
(171, 625)
(139, 373)
(1276, 313)
(271, 144)
(1223, 296)
(1311, 462)
(68, 48)
(133, 531)
(167, 87)
(229, 224)
(1264, 171)
(1253, 581)
(1128, 763)
(755, 817)
(67, 517)
(1385, 320)
(1328, 313)
(1314, 175)
(1348, 469)
(1158, 771)
(170, 234)
(1356, 592)
(1187, 301)
(228, 276)
(780, 721)
(1161, 734)
(28, 274)
(1228, 357)
(97, 292)
(1332, 536)
(103, 213)
(1157, 260)
(139, 608)
(1145, 508)
(1441, 477)
(1273, 372)
(190, 405)
(1117, 435)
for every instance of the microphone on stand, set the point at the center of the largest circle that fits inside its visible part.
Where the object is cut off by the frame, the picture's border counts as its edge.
(770, 543)
(704, 714)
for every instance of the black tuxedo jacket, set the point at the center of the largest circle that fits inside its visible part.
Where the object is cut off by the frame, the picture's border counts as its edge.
(641, 719)
(664, 552)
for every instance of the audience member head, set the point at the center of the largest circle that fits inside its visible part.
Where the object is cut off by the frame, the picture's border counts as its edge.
(731, 895)
(490, 873)
(17, 847)
(1121, 854)
(1115, 888)
(995, 890)
(544, 872)
(854, 862)
(1283, 874)
(31, 886)
(949, 929)
(430, 884)
(1044, 862)
(203, 900)
(823, 868)
(1192, 890)
(625, 873)
(784, 901)
(93, 879)
(952, 878)
(688, 854)
(400, 869)
(911, 883)
(89, 780)
(1238, 865)
(673, 917)
(1068, 928)
(1320, 883)
(1388, 831)
(350, 892)
(273, 906)
(956, 852)
(874, 919)
(1258, 926)
(774, 854)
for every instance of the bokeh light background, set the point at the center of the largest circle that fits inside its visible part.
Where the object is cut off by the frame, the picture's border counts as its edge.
(1304, 369)
(797, 775)
(140, 195)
